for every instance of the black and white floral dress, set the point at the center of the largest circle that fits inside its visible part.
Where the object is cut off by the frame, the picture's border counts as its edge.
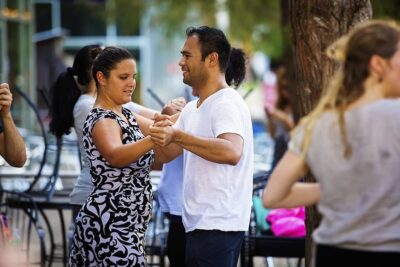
(111, 225)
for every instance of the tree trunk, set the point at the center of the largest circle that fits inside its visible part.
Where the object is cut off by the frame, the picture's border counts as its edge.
(315, 24)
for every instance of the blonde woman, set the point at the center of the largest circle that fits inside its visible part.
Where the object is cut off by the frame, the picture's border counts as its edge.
(351, 143)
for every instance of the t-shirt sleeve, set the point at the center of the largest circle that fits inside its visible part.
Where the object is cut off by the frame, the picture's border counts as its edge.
(227, 118)
(80, 112)
(296, 140)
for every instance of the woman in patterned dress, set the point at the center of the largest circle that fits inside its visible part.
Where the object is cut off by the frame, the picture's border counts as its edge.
(111, 225)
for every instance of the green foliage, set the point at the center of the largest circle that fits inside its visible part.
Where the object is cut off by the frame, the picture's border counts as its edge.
(173, 16)
(254, 24)
(387, 9)
(90, 16)
(128, 16)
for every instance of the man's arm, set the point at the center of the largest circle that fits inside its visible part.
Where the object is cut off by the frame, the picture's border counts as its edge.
(225, 149)
(12, 146)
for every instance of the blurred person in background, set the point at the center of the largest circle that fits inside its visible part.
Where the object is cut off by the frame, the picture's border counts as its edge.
(351, 144)
(280, 115)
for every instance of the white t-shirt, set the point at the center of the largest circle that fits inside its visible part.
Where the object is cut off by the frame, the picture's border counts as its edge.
(217, 196)
(83, 185)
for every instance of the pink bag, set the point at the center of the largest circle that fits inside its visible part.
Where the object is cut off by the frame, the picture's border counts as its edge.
(287, 222)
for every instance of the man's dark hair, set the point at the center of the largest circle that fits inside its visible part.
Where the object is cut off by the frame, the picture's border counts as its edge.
(231, 60)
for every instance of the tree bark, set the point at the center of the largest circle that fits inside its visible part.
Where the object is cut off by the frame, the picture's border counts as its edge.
(315, 24)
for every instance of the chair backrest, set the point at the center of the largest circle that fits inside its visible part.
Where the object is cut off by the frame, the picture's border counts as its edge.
(263, 244)
(42, 132)
(257, 223)
(46, 190)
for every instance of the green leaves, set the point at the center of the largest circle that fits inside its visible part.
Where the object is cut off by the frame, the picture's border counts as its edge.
(253, 24)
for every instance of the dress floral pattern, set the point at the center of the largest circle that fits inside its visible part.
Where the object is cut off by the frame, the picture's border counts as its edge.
(111, 225)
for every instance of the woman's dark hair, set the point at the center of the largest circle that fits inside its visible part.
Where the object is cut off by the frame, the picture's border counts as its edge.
(108, 59)
(65, 92)
(232, 61)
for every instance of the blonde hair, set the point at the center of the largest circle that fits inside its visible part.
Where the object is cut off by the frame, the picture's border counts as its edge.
(353, 53)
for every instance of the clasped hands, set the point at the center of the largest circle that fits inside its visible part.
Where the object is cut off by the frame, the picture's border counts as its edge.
(162, 133)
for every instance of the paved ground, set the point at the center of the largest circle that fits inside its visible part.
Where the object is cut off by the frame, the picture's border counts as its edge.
(53, 216)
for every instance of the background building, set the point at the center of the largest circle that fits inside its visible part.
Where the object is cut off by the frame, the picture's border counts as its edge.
(17, 60)
(39, 39)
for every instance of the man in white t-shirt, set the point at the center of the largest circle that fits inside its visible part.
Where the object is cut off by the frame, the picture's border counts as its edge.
(214, 133)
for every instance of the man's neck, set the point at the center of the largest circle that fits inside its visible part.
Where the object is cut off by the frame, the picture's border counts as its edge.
(210, 88)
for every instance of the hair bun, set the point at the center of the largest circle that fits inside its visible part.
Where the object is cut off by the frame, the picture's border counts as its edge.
(94, 52)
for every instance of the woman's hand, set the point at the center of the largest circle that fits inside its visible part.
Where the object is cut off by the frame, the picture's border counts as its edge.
(174, 106)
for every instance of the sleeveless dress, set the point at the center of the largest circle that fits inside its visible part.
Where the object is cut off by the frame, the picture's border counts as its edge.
(110, 226)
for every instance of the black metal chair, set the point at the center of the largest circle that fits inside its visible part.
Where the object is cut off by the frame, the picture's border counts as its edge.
(44, 193)
(261, 244)
(47, 199)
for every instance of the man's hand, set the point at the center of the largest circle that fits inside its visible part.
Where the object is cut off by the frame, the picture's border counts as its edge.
(5, 100)
(162, 136)
(162, 132)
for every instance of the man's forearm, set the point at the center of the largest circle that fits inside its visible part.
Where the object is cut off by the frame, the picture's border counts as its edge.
(216, 150)
(14, 145)
(167, 153)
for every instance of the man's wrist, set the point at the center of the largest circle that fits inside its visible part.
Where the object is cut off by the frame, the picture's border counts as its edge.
(176, 136)
(6, 116)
